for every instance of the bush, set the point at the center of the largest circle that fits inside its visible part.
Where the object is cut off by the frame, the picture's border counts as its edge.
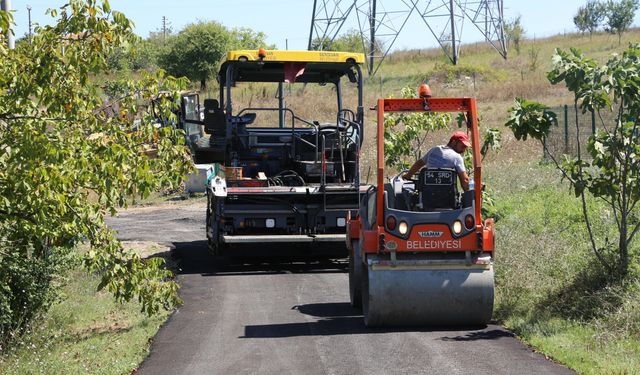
(26, 287)
(448, 73)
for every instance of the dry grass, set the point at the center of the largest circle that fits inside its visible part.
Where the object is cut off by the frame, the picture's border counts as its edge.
(482, 73)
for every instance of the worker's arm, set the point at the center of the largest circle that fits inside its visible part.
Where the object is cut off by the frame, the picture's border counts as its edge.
(414, 168)
(464, 180)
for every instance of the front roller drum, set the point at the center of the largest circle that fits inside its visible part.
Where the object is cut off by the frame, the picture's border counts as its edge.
(419, 294)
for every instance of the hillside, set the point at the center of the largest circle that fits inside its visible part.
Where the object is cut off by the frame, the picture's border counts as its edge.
(497, 81)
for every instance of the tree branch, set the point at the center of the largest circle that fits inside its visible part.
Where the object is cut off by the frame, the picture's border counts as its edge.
(633, 205)
(564, 173)
(602, 122)
(615, 211)
(18, 216)
(633, 233)
(585, 212)
(619, 117)
(591, 237)
(575, 107)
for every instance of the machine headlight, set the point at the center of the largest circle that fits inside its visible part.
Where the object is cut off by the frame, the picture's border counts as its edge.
(457, 227)
(341, 222)
(403, 228)
(270, 223)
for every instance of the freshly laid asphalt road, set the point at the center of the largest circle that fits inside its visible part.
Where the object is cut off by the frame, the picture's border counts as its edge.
(291, 315)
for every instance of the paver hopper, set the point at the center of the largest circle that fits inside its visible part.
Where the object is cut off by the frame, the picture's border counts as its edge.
(419, 251)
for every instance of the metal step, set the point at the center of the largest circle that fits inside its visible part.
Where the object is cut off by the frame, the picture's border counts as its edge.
(291, 238)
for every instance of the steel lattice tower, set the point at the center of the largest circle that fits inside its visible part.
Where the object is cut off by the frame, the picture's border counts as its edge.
(379, 25)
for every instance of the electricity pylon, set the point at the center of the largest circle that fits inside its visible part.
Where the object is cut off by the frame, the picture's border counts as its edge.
(380, 25)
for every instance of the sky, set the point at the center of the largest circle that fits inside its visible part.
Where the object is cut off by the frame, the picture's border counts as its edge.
(287, 22)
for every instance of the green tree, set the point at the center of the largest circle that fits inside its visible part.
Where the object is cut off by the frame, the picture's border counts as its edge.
(590, 16)
(70, 155)
(611, 172)
(405, 134)
(620, 16)
(514, 32)
(155, 46)
(196, 51)
(246, 38)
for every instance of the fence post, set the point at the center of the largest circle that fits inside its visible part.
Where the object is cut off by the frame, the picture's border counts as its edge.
(593, 122)
(566, 129)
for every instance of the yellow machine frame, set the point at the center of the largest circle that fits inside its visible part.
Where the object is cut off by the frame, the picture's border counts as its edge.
(295, 56)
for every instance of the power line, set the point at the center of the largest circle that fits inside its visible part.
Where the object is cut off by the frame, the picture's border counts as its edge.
(379, 26)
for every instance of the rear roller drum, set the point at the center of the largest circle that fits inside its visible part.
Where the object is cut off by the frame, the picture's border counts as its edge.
(355, 274)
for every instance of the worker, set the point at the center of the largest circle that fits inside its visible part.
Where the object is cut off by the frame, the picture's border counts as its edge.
(446, 156)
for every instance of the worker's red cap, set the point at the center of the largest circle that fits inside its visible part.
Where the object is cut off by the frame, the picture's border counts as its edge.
(462, 137)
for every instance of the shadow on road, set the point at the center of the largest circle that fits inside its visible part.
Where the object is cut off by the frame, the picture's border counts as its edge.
(342, 319)
(332, 318)
(194, 258)
(492, 334)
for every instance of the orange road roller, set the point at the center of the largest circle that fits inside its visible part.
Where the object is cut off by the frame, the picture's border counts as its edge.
(420, 252)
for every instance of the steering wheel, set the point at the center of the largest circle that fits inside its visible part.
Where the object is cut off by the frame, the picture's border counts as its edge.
(322, 128)
(398, 180)
(349, 129)
(398, 177)
(403, 189)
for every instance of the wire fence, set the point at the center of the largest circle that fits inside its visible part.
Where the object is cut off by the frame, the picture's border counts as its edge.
(564, 140)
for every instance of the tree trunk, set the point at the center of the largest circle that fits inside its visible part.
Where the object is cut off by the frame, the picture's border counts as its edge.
(623, 249)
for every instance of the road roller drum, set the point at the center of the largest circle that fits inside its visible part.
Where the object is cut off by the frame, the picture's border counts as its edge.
(410, 293)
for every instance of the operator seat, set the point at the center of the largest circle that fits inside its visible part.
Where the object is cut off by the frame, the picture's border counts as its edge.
(438, 188)
(215, 120)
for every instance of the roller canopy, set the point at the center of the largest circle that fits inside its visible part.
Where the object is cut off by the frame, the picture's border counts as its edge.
(313, 72)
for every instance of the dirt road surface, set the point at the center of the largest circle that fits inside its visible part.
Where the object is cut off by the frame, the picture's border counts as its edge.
(291, 315)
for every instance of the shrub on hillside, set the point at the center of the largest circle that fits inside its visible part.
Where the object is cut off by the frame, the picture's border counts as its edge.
(448, 73)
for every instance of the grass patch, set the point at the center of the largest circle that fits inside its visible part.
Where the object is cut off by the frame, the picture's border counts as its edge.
(85, 332)
(549, 287)
(447, 73)
(159, 198)
(579, 346)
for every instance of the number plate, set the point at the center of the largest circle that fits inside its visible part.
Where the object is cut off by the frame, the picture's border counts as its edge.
(438, 178)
